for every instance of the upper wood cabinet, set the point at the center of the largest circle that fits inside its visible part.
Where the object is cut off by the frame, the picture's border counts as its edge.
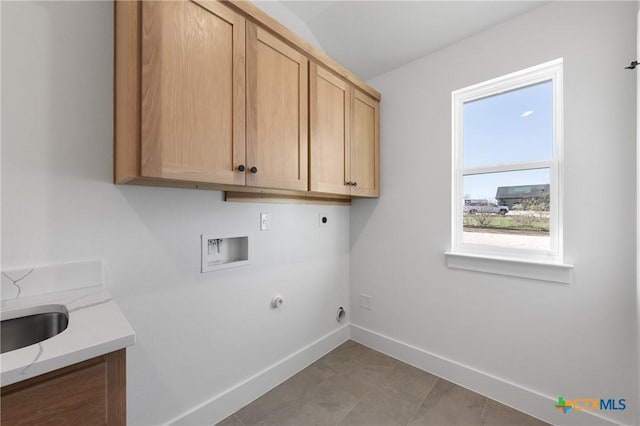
(192, 92)
(344, 137)
(365, 146)
(277, 112)
(330, 143)
(216, 94)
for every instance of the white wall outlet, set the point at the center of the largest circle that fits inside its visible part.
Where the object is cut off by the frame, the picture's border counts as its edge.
(365, 301)
(323, 220)
(265, 221)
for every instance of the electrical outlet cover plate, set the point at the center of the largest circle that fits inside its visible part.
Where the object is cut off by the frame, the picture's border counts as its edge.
(265, 221)
(365, 302)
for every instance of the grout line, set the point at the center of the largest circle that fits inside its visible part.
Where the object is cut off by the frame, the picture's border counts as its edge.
(366, 394)
(486, 401)
(238, 419)
(375, 386)
(425, 398)
(359, 400)
(416, 412)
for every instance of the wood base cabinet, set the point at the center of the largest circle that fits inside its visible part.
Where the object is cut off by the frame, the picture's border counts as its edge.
(344, 141)
(89, 393)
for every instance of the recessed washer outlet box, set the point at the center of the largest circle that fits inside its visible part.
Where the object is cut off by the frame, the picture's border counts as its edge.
(221, 251)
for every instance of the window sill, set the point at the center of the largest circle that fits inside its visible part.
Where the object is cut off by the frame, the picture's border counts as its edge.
(542, 271)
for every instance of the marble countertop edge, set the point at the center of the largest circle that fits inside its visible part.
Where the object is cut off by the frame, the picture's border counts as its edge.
(96, 327)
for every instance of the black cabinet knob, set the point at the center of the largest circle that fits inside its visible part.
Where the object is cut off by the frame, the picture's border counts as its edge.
(348, 183)
(355, 184)
(241, 168)
(254, 169)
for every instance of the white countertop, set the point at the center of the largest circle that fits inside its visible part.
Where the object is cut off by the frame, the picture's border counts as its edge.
(96, 327)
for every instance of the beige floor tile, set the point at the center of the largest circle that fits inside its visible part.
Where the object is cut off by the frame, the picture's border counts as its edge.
(355, 385)
(325, 405)
(359, 375)
(496, 414)
(312, 414)
(411, 381)
(367, 413)
(295, 389)
(232, 420)
(264, 408)
(357, 379)
(261, 410)
(351, 345)
(305, 380)
(451, 405)
(373, 359)
(343, 354)
(348, 350)
(330, 394)
(393, 404)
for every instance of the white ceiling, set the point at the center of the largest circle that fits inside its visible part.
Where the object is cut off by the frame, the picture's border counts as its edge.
(372, 37)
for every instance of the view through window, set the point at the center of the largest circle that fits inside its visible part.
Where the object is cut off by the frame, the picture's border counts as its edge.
(506, 158)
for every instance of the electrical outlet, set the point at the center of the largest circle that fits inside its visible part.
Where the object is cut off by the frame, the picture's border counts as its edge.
(365, 302)
(323, 220)
(265, 221)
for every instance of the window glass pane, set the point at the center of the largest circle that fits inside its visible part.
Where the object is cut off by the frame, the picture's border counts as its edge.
(507, 209)
(515, 126)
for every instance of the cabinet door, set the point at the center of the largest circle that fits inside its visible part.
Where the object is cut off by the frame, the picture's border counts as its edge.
(365, 152)
(193, 99)
(330, 112)
(277, 141)
(92, 392)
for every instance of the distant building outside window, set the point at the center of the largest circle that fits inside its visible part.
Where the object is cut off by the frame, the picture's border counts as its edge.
(507, 163)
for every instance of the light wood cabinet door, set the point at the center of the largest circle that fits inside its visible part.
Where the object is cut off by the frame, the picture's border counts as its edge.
(344, 137)
(365, 151)
(277, 112)
(330, 142)
(192, 92)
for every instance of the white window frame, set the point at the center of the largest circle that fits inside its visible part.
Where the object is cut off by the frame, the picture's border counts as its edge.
(550, 71)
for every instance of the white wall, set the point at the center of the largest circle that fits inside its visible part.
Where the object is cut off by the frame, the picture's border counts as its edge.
(284, 15)
(572, 340)
(197, 334)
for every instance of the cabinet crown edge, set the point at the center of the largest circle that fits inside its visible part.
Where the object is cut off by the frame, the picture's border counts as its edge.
(255, 14)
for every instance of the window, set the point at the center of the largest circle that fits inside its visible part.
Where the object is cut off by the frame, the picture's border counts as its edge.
(507, 160)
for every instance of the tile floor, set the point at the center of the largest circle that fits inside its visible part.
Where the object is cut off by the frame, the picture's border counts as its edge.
(355, 385)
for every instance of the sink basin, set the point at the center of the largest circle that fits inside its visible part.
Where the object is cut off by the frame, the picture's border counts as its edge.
(32, 326)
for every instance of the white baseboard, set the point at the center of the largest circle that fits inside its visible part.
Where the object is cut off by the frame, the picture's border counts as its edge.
(519, 397)
(523, 399)
(228, 402)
